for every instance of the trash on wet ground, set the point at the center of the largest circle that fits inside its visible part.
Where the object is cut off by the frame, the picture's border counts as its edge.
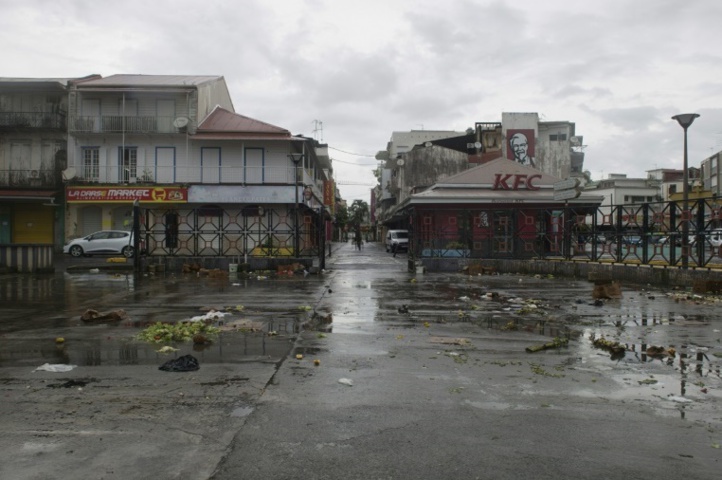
(237, 308)
(92, 315)
(167, 349)
(656, 351)
(211, 316)
(556, 343)
(648, 381)
(200, 339)
(186, 363)
(606, 289)
(175, 332)
(57, 367)
(678, 399)
(346, 381)
(615, 348)
(451, 341)
(70, 384)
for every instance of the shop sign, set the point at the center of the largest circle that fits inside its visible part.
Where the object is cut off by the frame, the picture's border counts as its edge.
(329, 194)
(126, 194)
(515, 181)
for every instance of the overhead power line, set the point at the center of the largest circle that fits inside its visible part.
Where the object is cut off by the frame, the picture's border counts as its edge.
(357, 164)
(353, 153)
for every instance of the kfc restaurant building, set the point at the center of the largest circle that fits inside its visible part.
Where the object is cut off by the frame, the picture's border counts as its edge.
(498, 210)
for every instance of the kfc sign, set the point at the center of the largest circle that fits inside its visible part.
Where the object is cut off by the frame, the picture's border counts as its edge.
(515, 181)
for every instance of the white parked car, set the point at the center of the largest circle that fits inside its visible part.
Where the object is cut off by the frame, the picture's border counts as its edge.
(105, 242)
(398, 238)
(712, 237)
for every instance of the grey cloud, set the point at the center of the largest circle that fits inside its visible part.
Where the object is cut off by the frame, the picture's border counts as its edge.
(632, 119)
(571, 90)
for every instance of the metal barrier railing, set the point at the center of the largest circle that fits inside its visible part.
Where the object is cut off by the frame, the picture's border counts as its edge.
(239, 232)
(648, 234)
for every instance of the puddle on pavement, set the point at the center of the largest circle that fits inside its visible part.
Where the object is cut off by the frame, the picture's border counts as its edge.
(115, 348)
(241, 411)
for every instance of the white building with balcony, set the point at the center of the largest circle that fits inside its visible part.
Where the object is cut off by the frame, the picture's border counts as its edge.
(210, 182)
(33, 143)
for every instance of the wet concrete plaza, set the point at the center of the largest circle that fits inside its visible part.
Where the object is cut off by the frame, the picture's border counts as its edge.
(364, 371)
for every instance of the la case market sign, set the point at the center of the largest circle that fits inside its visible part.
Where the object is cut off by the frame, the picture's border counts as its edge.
(126, 194)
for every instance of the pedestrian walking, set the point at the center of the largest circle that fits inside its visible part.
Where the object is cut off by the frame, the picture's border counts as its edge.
(358, 238)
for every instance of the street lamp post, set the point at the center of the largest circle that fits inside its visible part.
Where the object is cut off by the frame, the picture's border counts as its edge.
(685, 120)
(296, 159)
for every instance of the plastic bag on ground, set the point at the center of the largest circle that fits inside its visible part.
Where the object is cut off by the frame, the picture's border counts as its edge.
(58, 367)
(186, 363)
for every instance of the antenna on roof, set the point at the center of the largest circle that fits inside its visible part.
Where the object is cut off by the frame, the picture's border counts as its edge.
(318, 130)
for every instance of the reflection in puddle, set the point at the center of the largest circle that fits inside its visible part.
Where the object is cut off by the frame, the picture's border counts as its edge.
(229, 347)
(306, 351)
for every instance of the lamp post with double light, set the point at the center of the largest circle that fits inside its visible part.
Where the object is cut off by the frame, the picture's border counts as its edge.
(296, 159)
(685, 120)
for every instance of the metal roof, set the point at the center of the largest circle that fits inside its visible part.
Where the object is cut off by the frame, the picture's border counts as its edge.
(130, 81)
(34, 84)
(64, 81)
(476, 185)
(486, 173)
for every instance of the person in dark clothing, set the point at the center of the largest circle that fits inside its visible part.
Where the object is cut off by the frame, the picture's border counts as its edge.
(359, 242)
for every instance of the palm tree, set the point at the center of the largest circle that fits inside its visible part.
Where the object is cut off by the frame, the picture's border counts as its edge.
(358, 212)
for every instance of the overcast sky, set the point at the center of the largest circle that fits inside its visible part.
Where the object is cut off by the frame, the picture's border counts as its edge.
(618, 69)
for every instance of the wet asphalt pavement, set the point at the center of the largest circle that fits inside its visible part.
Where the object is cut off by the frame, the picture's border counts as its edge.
(419, 376)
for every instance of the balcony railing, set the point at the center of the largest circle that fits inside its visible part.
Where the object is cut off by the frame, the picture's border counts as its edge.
(267, 175)
(32, 120)
(125, 124)
(28, 178)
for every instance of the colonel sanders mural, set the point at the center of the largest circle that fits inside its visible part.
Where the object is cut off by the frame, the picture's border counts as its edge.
(521, 146)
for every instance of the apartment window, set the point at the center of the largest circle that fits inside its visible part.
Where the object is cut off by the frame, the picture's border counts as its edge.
(91, 163)
(558, 137)
(128, 165)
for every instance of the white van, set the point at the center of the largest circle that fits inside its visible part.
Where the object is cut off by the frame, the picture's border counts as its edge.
(400, 238)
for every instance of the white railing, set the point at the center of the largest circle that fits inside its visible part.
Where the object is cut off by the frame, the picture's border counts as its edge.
(124, 124)
(196, 174)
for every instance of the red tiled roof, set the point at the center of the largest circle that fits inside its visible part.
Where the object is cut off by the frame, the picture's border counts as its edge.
(231, 125)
